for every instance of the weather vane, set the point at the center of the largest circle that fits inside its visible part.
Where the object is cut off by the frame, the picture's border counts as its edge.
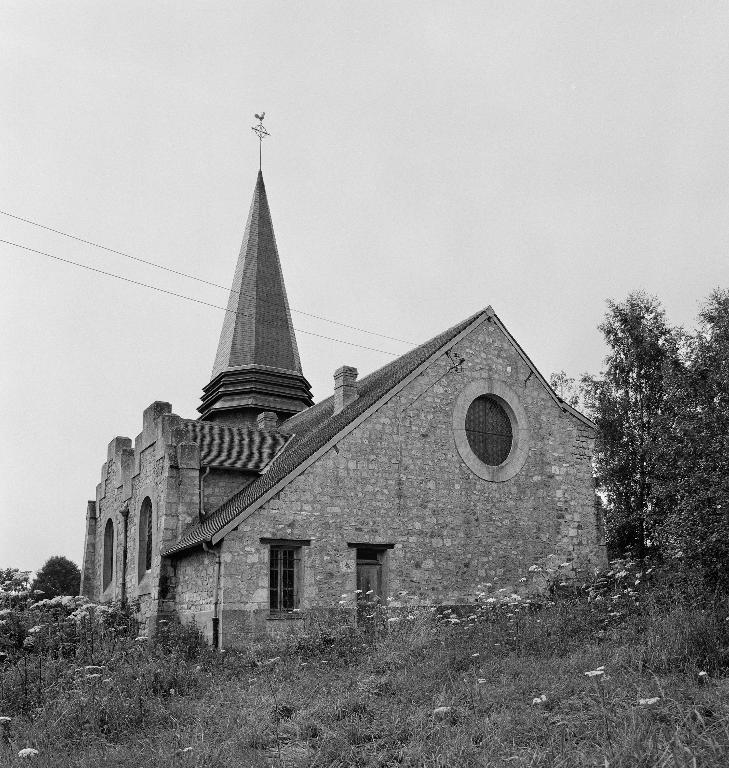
(261, 132)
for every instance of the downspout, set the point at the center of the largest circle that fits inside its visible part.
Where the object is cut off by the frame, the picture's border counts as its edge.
(125, 517)
(201, 511)
(216, 593)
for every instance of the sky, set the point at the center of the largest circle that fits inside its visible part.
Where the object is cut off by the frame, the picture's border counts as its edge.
(425, 160)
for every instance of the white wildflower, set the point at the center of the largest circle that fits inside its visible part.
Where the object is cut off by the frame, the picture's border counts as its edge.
(539, 700)
(648, 702)
(482, 680)
(27, 752)
(522, 580)
(534, 568)
(596, 672)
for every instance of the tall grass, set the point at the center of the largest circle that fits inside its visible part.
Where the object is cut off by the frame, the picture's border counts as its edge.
(501, 683)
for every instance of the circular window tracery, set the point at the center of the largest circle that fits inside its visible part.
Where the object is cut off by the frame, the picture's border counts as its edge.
(491, 430)
(488, 429)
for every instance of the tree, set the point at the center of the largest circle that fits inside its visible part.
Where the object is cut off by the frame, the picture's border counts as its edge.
(626, 402)
(693, 452)
(566, 387)
(13, 583)
(58, 576)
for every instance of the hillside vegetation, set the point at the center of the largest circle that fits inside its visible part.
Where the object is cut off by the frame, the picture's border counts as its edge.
(626, 670)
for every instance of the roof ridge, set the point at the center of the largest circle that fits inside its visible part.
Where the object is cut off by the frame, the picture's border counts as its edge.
(302, 447)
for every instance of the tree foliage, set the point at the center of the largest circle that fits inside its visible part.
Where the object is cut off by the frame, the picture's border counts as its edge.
(58, 576)
(627, 402)
(693, 451)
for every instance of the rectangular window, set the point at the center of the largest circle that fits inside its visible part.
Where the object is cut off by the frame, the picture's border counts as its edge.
(284, 578)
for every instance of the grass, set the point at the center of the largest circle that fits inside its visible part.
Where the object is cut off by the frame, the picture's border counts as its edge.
(429, 690)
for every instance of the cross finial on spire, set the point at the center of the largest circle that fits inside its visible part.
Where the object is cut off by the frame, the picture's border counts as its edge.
(261, 132)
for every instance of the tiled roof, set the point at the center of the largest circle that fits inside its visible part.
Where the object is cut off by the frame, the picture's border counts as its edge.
(228, 447)
(257, 329)
(312, 429)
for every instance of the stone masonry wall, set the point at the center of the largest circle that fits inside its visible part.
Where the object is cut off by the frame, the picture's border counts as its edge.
(164, 468)
(398, 479)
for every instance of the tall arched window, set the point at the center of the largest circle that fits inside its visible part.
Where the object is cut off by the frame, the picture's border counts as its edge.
(108, 571)
(144, 549)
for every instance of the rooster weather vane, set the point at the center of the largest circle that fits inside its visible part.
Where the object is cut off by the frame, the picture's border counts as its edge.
(261, 132)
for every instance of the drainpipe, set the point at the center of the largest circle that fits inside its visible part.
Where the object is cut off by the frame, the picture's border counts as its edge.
(201, 512)
(216, 593)
(125, 517)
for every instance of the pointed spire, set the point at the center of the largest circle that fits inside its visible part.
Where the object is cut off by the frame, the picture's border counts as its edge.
(257, 366)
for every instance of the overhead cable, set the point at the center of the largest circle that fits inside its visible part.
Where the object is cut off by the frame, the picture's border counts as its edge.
(190, 277)
(183, 296)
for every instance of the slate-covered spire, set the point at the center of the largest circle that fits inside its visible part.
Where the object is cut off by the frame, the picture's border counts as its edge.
(257, 366)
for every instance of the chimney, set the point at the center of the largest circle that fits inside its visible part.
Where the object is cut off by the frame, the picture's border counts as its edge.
(267, 421)
(345, 387)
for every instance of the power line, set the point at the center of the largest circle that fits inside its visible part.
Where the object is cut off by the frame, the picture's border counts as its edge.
(182, 295)
(190, 277)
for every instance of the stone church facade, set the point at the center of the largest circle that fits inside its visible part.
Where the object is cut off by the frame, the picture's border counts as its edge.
(452, 466)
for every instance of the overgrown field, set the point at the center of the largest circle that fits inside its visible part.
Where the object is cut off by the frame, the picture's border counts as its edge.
(505, 684)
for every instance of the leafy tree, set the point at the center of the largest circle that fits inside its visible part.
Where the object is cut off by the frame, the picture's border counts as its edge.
(58, 576)
(693, 453)
(13, 580)
(626, 402)
(566, 387)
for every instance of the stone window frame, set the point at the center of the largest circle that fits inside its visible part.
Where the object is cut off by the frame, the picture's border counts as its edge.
(296, 546)
(107, 556)
(145, 532)
(510, 402)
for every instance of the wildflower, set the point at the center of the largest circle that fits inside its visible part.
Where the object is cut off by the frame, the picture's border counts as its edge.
(93, 676)
(358, 591)
(183, 751)
(539, 700)
(522, 580)
(442, 712)
(489, 584)
(344, 597)
(393, 619)
(370, 592)
(28, 752)
(564, 565)
(4, 720)
(596, 672)
(648, 702)
(93, 668)
(475, 655)
(534, 569)
(141, 639)
(482, 680)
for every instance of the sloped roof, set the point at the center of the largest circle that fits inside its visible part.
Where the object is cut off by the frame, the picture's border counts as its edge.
(233, 447)
(257, 329)
(312, 430)
(315, 427)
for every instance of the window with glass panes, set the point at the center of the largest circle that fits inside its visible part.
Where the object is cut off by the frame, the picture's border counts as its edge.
(488, 429)
(283, 579)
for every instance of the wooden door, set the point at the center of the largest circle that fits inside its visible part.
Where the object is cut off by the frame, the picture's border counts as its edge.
(369, 581)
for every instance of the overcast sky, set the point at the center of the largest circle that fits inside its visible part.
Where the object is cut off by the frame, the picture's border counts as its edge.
(425, 160)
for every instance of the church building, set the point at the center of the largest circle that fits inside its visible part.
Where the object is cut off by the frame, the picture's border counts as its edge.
(450, 467)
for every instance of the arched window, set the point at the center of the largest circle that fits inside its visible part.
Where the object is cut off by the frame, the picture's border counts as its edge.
(108, 572)
(144, 550)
